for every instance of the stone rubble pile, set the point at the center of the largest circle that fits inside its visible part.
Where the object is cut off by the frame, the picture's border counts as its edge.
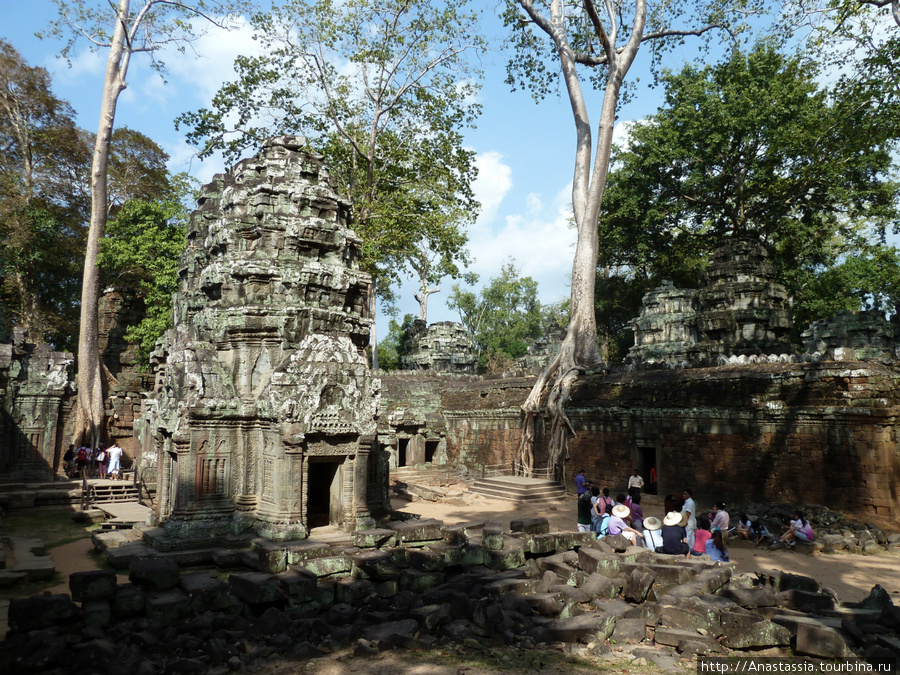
(418, 585)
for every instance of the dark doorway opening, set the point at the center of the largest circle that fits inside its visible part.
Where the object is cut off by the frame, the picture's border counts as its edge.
(402, 446)
(430, 449)
(324, 493)
(648, 469)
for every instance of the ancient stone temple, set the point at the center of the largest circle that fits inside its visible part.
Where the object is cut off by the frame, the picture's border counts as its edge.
(739, 311)
(442, 347)
(264, 414)
(35, 395)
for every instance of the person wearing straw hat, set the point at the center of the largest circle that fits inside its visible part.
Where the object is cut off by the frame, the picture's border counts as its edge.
(674, 535)
(652, 534)
(617, 525)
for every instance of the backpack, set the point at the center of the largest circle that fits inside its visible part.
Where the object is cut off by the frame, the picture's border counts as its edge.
(603, 527)
(82, 454)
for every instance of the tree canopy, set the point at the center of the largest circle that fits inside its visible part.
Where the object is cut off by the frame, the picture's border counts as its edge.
(752, 147)
(384, 91)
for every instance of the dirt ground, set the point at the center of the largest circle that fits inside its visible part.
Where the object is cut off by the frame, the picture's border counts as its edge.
(851, 576)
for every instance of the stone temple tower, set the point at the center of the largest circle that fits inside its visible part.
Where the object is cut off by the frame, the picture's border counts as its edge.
(264, 413)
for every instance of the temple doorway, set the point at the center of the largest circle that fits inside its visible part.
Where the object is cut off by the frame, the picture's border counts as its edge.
(431, 447)
(648, 469)
(324, 499)
(402, 447)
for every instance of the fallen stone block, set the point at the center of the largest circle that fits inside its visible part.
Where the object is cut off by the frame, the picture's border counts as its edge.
(389, 632)
(375, 538)
(375, 565)
(638, 585)
(821, 641)
(618, 543)
(154, 574)
(414, 531)
(510, 556)
(599, 586)
(530, 525)
(504, 586)
(40, 611)
(805, 601)
(570, 593)
(784, 581)
(122, 556)
(748, 631)
(712, 579)
(298, 585)
(700, 645)
(541, 544)
(670, 637)
(750, 598)
(431, 617)
(594, 560)
(425, 560)
(629, 631)
(574, 629)
(353, 591)
(566, 573)
(546, 604)
(331, 566)
(92, 585)
(96, 613)
(649, 613)
(256, 588)
(205, 591)
(129, 601)
(167, 606)
(692, 615)
(418, 581)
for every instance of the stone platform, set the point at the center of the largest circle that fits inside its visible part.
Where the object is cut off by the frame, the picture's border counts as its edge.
(520, 489)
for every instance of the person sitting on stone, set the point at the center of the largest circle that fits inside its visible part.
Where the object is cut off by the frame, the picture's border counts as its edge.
(721, 520)
(798, 529)
(749, 529)
(652, 533)
(701, 536)
(674, 535)
(617, 525)
(637, 513)
(715, 547)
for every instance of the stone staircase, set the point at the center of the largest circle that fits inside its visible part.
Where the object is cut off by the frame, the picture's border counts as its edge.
(111, 491)
(520, 489)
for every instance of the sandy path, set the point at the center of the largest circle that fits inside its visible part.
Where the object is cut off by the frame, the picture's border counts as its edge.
(851, 576)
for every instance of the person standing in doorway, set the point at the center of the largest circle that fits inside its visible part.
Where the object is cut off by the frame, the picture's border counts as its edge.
(635, 483)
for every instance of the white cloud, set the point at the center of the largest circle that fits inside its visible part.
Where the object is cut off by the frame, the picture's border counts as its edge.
(492, 185)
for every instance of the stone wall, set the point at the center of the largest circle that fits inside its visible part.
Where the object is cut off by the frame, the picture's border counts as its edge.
(36, 394)
(821, 433)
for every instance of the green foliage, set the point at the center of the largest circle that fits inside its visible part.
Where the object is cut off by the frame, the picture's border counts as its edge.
(391, 348)
(751, 147)
(383, 90)
(140, 252)
(504, 318)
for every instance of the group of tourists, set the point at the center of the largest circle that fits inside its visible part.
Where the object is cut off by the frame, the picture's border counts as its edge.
(85, 462)
(682, 532)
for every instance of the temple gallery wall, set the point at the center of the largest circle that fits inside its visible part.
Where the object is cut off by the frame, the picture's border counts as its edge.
(261, 415)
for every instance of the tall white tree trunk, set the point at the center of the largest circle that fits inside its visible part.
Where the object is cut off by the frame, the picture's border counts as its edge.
(90, 404)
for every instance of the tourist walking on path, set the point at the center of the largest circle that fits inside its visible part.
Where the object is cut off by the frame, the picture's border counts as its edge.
(690, 509)
(635, 483)
(115, 461)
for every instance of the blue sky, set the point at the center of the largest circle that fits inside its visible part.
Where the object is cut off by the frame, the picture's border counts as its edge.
(525, 150)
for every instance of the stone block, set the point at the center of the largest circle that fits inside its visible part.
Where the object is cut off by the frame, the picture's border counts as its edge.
(701, 644)
(504, 586)
(571, 594)
(298, 585)
(712, 579)
(619, 543)
(530, 525)
(665, 574)
(593, 560)
(96, 613)
(805, 601)
(414, 531)
(154, 574)
(122, 556)
(376, 538)
(691, 616)
(205, 591)
(541, 544)
(670, 637)
(425, 560)
(750, 598)
(821, 641)
(566, 573)
(390, 631)
(418, 581)
(599, 586)
(510, 556)
(784, 581)
(129, 601)
(568, 541)
(256, 588)
(431, 617)
(649, 613)
(452, 555)
(40, 611)
(167, 606)
(748, 631)
(592, 626)
(375, 565)
(331, 566)
(638, 584)
(455, 535)
(353, 591)
(92, 585)
(630, 631)
(546, 604)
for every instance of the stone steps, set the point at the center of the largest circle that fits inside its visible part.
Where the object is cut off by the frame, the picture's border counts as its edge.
(518, 489)
(30, 561)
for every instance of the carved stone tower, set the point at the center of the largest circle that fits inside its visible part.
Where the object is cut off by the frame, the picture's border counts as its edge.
(265, 409)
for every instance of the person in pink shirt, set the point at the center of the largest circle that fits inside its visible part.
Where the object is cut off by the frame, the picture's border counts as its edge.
(701, 536)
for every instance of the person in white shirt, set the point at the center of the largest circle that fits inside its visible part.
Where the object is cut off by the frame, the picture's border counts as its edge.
(635, 483)
(690, 510)
(115, 459)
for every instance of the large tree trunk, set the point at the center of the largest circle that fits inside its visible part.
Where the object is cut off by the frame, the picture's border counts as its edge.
(90, 405)
(579, 350)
